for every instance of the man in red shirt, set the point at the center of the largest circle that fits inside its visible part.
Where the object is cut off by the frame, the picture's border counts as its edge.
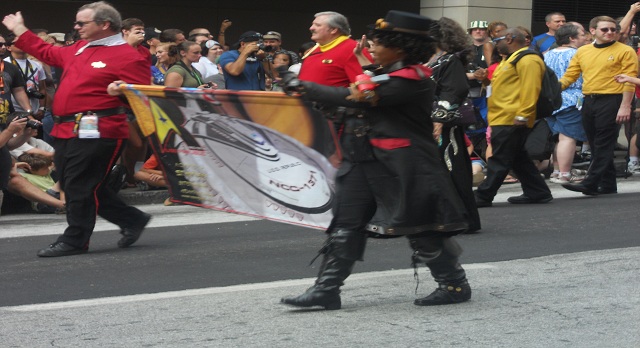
(85, 151)
(332, 61)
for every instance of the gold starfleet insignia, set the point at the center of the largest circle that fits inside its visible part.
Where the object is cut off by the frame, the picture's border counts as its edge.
(327, 61)
(98, 65)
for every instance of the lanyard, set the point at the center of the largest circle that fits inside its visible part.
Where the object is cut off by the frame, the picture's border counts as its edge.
(191, 71)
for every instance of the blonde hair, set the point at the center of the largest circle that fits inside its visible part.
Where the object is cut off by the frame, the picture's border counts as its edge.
(172, 52)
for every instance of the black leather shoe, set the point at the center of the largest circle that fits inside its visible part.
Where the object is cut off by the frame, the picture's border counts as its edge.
(61, 249)
(604, 191)
(522, 199)
(131, 234)
(446, 294)
(482, 203)
(580, 188)
(312, 297)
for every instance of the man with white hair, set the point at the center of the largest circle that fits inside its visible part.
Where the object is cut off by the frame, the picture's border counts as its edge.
(332, 61)
(94, 66)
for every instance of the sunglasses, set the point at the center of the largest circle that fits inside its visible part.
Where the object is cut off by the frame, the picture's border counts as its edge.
(203, 34)
(81, 24)
(498, 39)
(606, 30)
(2, 44)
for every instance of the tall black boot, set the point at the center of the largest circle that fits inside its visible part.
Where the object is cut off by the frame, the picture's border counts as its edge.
(342, 249)
(441, 256)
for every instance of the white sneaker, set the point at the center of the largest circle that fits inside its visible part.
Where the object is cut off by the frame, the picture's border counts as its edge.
(561, 179)
(634, 167)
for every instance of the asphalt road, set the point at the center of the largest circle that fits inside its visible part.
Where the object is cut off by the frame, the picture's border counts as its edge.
(188, 248)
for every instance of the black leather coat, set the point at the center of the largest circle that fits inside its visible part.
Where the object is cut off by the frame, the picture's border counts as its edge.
(412, 187)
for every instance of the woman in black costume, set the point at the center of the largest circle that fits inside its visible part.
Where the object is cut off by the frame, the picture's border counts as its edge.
(392, 181)
(453, 52)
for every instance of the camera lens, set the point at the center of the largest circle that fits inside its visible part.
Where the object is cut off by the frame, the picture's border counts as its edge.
(33, 124)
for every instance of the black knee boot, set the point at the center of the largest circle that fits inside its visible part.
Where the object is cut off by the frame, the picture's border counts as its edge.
(441, 256)
(342, 249)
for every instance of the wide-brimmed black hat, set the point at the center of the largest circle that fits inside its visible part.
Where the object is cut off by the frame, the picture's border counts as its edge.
(405, 22)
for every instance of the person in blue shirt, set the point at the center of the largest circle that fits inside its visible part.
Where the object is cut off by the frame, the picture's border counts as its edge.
(243, 67)
(545, 41)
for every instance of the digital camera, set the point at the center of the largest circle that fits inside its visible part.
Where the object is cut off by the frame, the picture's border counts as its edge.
(264, 47)
(32, 93)
(30, 123)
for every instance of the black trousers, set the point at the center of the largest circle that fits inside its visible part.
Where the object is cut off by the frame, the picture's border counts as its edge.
(509, 153)
(355, 203)
(599, 121)
(83, 166)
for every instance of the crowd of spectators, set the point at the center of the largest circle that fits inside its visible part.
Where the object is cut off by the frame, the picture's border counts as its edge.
(201, 58)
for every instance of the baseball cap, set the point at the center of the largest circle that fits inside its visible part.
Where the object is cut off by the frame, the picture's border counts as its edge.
(151, 32)
(478, 25)
(274, 35)
(211, 43)
(250, 36)
(58, 36)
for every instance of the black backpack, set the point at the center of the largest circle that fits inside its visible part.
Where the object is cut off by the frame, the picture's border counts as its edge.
(550, 98)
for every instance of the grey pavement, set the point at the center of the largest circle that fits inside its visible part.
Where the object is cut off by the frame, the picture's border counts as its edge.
(587, 299)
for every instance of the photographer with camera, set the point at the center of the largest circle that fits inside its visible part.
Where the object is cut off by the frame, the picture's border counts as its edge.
(244, 67)
(34, 77)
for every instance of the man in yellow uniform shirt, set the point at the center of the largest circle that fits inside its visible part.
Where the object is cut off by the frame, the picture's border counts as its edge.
(512, 113)
(606, 102)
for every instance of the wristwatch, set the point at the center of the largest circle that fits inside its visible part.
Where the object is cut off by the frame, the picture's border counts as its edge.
(521, 119)
(30, 112)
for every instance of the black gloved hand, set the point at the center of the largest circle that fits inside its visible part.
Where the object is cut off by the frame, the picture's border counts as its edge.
(289, 81)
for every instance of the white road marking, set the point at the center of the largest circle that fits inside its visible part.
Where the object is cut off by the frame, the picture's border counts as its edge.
(209, 291)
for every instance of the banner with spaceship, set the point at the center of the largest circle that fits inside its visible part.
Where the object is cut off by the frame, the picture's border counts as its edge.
(262, 154)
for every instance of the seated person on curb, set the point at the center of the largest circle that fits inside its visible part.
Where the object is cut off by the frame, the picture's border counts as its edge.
(10, 178)
(38, 172)
(32, 145)
(151, 173)
(477, 164)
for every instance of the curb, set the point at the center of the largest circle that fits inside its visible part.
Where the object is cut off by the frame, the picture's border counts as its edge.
(133, 196)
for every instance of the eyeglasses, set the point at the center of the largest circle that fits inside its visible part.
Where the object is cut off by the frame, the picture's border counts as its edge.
(496, 40)
(606, 30)
(81, 23)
